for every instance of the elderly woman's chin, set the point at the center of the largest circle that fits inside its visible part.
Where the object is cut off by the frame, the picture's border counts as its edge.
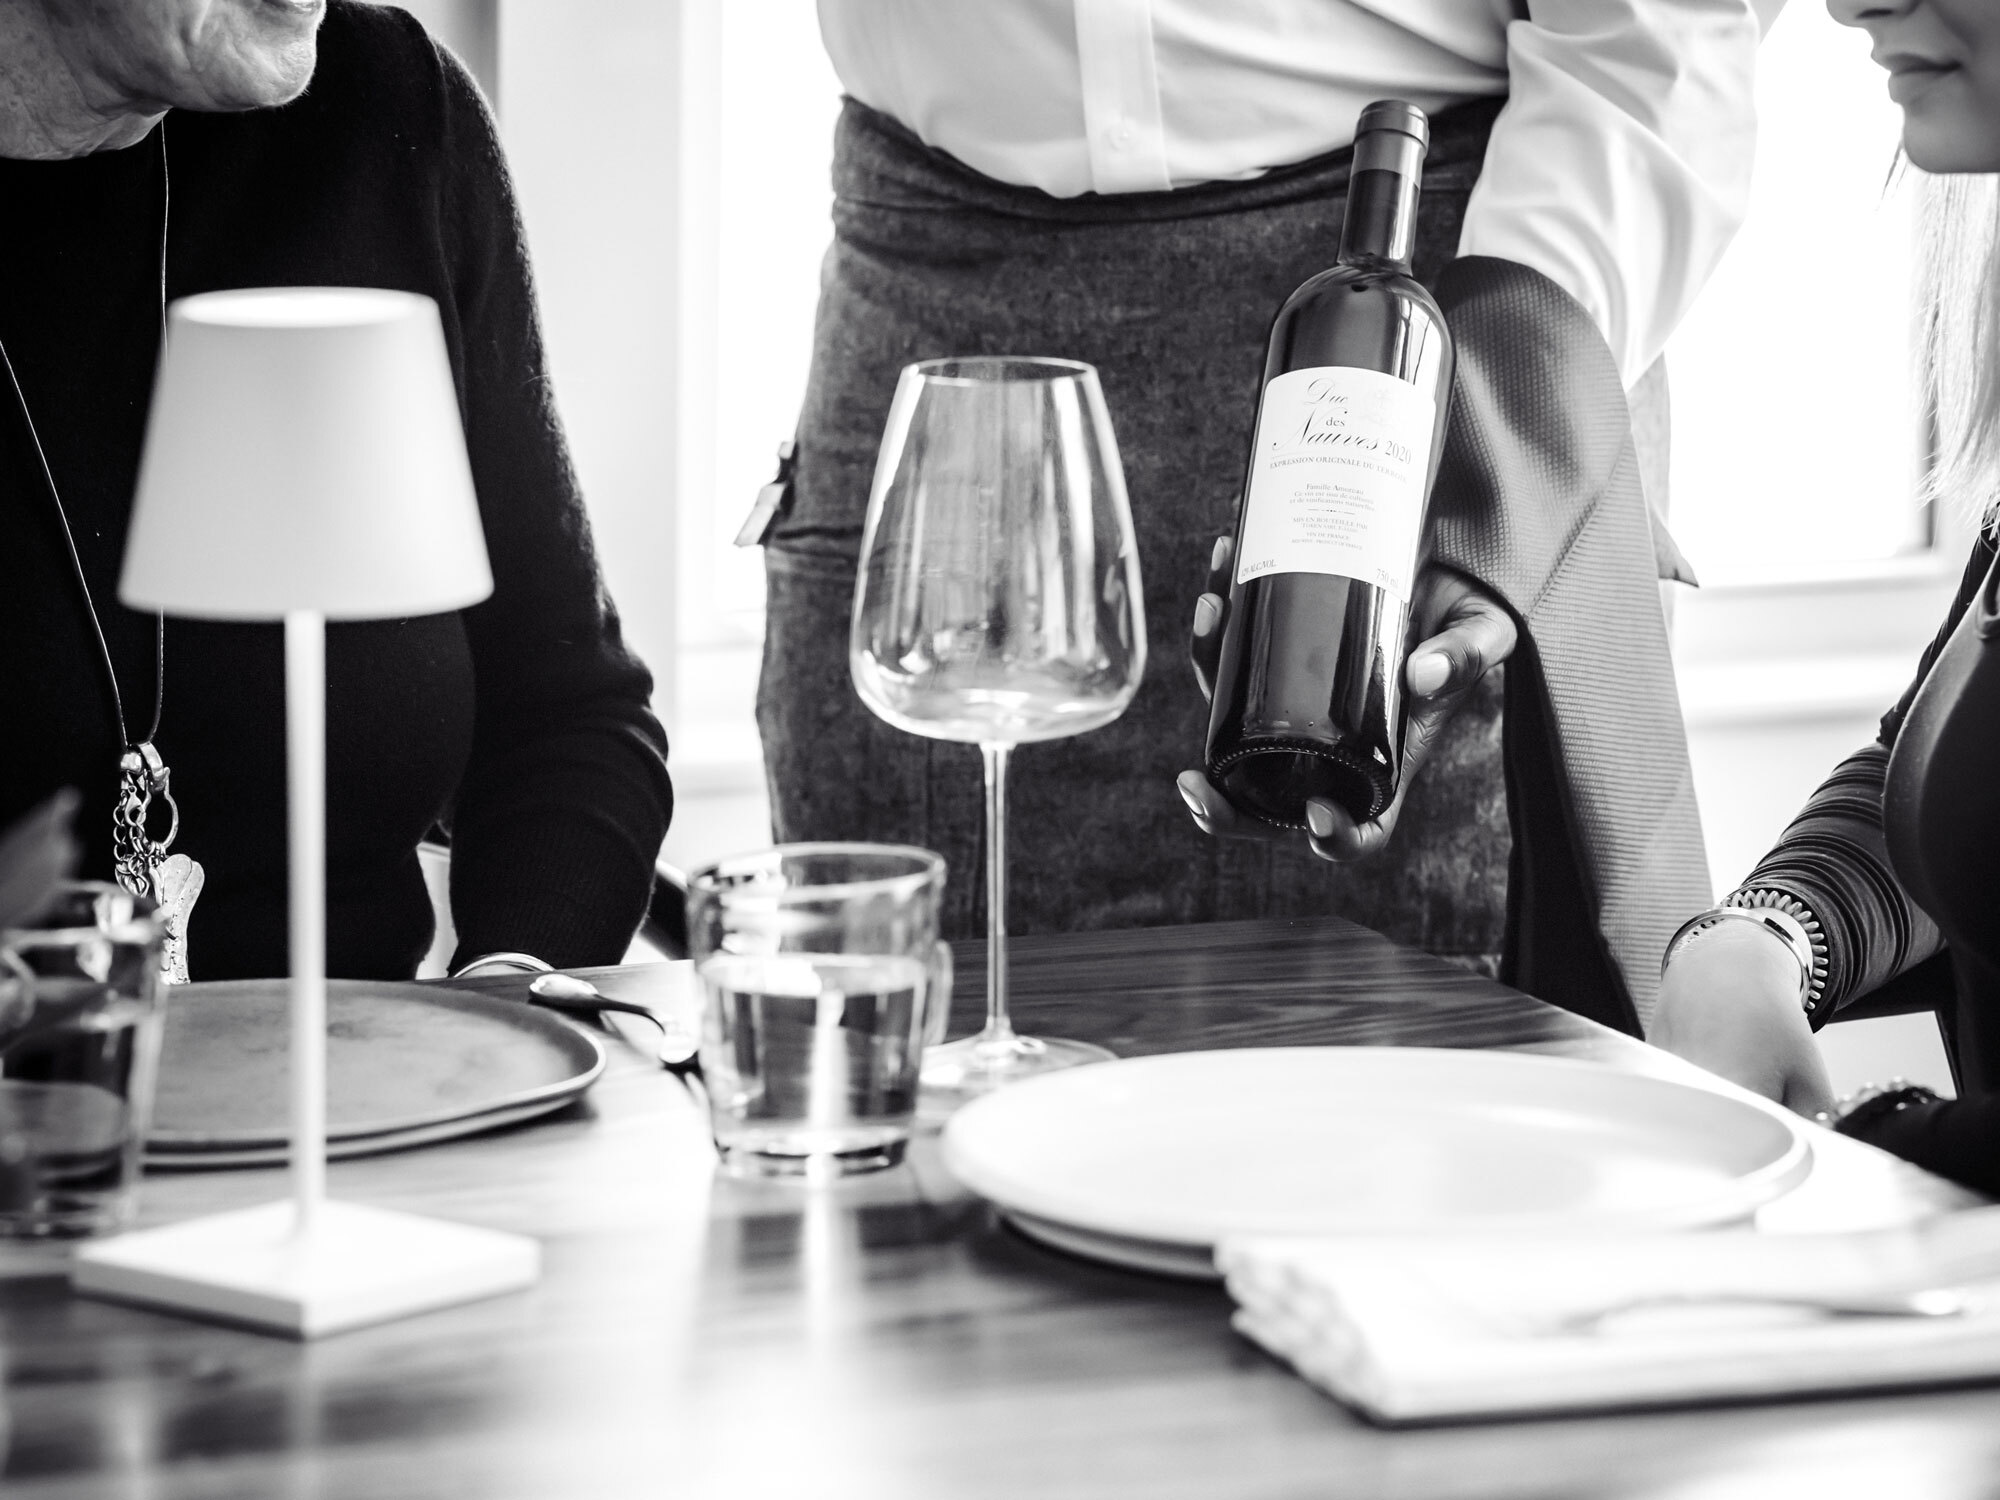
(246, 54)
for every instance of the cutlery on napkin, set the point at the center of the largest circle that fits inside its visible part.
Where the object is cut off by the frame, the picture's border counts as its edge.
(1410, 1329)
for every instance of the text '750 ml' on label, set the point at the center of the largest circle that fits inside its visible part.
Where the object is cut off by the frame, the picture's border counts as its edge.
(1337, 478)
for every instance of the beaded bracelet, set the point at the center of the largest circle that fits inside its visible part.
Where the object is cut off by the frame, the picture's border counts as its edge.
(1873, 1102)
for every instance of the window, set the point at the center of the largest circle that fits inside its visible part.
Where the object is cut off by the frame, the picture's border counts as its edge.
(1796, 435)
(759, 112)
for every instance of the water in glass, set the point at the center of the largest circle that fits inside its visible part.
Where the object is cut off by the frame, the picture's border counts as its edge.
(79, 1041)
(822, 980)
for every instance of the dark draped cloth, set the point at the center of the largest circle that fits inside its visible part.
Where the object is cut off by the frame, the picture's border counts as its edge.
(522, 721)
(1170, 295)
(1540, 497)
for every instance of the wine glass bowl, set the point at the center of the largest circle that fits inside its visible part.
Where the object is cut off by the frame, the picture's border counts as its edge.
(998, 603)
(998, 594)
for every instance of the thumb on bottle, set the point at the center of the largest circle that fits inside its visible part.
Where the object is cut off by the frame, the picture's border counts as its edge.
(1429, 673)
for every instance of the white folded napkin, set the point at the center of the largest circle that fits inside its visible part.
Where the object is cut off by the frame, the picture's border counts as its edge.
(1411, 1329)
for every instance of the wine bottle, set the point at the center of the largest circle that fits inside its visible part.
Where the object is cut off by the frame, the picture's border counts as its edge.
(1309, 697)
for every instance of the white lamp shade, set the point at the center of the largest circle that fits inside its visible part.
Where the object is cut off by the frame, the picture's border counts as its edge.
(304, 453)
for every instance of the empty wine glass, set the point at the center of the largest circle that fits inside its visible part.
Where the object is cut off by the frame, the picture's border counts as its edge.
(998, 603)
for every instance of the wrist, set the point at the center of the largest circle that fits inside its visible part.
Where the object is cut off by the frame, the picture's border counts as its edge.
(1735, 970)
(1807, 935)
(1737, 933)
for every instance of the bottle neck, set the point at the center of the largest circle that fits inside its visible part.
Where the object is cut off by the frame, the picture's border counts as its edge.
(1381, 225)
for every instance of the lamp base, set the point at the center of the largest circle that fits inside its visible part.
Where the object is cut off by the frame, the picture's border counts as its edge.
(358, 1265)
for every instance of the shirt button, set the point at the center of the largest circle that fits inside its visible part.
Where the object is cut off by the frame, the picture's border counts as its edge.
(1118, 136)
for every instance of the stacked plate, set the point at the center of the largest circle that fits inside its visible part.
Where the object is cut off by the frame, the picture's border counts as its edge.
(406, 1064)
(1150, 1162)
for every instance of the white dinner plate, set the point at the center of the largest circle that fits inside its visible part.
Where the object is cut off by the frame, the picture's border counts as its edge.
(1150, 1161)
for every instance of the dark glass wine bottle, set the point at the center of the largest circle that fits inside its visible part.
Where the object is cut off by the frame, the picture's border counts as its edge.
(1309, 690)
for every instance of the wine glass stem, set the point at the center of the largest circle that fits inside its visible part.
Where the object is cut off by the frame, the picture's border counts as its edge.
(998, 1028)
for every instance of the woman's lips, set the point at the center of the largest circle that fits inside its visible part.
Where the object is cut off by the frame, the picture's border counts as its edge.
(1910, 76)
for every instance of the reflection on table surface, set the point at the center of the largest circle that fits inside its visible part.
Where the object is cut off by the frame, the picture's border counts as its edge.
(887, 1336)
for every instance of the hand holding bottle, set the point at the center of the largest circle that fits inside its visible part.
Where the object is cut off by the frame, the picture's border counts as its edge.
(1463, 632)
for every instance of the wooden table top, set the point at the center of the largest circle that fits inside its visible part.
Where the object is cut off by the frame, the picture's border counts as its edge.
(698, 1336)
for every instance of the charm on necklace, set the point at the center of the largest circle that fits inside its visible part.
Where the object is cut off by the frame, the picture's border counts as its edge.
(143, 865)
(176, 882)
(141, 773)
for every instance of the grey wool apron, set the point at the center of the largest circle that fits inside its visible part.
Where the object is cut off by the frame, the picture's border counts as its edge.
(1170, 295)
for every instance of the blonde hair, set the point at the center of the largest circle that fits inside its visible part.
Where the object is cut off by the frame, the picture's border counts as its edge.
(1959, 279)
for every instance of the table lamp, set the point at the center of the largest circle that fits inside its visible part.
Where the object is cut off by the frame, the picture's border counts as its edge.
(303, 462)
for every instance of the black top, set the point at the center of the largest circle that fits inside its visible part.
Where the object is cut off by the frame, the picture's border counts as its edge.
(1836, 858)
(521, 723)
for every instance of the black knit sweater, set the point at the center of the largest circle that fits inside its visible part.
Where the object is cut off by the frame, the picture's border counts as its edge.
(522, 723)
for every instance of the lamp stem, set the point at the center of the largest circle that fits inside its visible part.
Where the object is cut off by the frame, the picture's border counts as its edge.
(305, 739)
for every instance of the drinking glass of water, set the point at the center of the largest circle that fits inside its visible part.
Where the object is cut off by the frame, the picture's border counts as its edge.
(998, 603)
(823, 978)
(79, 1051)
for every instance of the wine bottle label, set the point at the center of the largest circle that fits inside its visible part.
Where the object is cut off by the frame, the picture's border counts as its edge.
(1337, 478)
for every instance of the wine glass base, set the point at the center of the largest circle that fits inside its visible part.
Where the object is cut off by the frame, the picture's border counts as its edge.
(962, 1070)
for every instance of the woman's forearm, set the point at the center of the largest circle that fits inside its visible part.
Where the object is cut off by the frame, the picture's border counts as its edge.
(1833, 858)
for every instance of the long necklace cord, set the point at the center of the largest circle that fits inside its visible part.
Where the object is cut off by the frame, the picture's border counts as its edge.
(125, 739)
(159, 617)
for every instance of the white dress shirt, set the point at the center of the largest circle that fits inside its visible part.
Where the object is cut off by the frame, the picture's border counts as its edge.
(1619, 168)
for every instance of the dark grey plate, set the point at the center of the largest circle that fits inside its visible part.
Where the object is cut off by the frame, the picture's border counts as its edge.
(406, 1064)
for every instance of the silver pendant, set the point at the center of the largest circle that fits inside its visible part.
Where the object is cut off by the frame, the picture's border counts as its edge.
(144, 867)
(176, 882)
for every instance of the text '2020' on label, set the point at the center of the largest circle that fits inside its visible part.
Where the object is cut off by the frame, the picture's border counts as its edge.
(1337, 480)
